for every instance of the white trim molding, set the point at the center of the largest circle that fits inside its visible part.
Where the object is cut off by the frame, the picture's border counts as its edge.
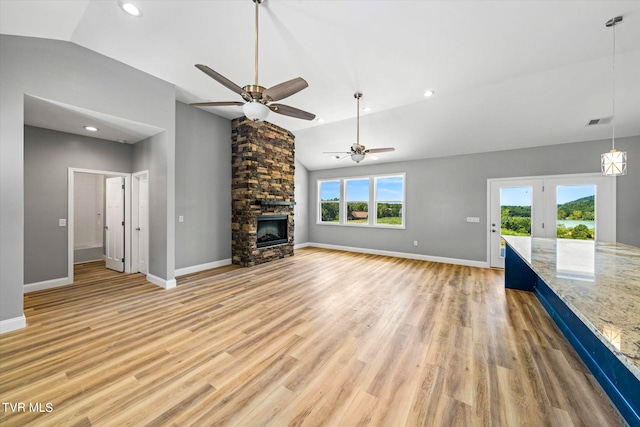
(46, 284)
(13, 324)
(202, 267)
(302, 245)
(163, 283)
(444, 260)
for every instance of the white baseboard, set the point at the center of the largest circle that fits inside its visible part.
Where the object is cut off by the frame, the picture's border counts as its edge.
(456, 261)
(46, 284)
(302, 245)
(13, 324)
(202, 267)
(166, 284)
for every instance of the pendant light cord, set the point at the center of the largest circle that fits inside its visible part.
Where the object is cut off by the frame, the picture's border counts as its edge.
(613, 135)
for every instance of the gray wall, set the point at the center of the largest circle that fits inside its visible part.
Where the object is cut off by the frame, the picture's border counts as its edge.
(64, 72)
(203, 187)
(47, 156)
(442, 192)
(149, 154)
(301, 209)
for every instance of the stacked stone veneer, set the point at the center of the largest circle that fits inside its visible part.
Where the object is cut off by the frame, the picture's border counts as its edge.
(263, 173)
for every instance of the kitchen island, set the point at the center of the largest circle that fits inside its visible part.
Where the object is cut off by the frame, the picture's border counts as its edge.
(592, 291)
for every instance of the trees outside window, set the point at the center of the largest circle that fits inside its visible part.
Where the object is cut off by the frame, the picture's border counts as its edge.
(372, 201)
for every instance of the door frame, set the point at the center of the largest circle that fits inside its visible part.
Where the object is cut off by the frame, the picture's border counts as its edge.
(135, 194)
(70, 216)
(572, 176)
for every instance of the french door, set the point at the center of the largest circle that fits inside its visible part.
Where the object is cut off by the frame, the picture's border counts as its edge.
(562, 206)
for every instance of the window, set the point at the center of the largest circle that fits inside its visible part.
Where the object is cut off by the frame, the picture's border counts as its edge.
(329, 201)
(357, 195)
(373, 201)
(389, 200)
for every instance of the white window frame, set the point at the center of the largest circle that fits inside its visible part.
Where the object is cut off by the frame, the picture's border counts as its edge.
(372, 202)
(345, 210)
(403, 201)
(319, 202)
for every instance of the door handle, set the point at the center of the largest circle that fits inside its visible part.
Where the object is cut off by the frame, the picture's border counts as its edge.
(137, 228)
(493, 231)
(106, 227)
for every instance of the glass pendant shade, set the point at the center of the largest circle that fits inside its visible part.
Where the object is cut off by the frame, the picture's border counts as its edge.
(357, 157)
(255, 111)
(614, 163)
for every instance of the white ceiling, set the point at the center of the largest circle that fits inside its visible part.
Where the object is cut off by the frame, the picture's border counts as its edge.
(507, 74)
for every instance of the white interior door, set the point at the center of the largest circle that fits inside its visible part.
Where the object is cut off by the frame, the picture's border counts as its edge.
(114, 228)
(143, 224)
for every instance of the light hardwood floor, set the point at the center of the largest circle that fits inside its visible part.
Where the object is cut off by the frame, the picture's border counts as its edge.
(322, 338)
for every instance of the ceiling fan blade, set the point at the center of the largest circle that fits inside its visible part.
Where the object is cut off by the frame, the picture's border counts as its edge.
(379, 150)
(288, 88)
(217, 104)
(291, 111)
(221, 79)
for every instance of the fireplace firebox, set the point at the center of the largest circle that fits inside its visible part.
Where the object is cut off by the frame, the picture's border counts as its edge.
(272, 230)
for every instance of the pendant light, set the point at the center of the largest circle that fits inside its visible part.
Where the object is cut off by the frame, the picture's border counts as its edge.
(614, 162)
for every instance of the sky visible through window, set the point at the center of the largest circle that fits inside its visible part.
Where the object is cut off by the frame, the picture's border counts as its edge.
(569, 193)
(357, 190)
(330, 190)
(521, 196)
(389, 188)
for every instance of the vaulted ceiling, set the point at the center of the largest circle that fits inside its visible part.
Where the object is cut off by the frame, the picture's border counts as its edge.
(506, 74)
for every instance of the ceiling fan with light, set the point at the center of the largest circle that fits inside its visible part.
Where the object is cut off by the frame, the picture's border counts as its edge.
(358, 152)
(257, 98)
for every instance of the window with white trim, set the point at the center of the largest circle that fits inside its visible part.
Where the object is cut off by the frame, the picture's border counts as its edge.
(357, 195)
(329, 192)
(369, 201)
(389, 200)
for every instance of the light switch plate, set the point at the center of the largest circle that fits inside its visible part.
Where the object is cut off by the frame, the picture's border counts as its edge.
(473, 219)
(181, 218)
(62, 222)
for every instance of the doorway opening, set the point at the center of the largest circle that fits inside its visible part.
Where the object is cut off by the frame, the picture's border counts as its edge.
(567, 207)
(110, 210)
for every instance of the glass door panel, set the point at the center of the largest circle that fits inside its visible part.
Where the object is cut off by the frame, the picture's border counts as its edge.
(576, 212)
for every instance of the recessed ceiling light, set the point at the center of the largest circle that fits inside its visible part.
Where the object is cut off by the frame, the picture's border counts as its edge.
(91, 128)
(429, 93)
(130, 8)
(366, 109)
(320, 120)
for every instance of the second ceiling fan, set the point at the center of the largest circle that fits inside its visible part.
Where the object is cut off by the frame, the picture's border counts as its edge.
(258, 99)
(358, 152)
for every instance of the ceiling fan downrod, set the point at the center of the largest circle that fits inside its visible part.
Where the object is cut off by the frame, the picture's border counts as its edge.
(257, 2)
(357, 96)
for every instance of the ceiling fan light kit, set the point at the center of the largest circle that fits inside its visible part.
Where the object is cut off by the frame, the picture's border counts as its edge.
(255, 111)
(614, 162)
(257, 98)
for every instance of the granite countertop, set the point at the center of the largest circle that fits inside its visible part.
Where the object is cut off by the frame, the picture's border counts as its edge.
(598, 281)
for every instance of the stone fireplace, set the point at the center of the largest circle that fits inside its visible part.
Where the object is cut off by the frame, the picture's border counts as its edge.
(262, 194)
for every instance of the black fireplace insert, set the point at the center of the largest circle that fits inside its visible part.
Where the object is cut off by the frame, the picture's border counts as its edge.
(272, 230)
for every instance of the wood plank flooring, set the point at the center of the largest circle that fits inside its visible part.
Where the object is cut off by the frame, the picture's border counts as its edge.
(324, 338)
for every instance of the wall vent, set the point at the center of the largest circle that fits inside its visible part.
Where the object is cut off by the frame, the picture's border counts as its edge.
(601, 121)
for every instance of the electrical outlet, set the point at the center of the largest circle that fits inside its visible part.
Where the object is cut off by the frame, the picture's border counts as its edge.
(181, 218)
(415, 243)
(62, 222)
(473, 219)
